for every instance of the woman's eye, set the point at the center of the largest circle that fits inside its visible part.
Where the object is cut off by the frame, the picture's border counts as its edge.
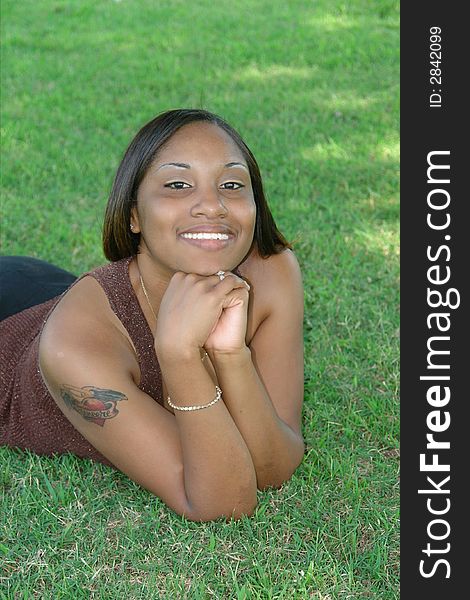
(176, 185)
(232, 185)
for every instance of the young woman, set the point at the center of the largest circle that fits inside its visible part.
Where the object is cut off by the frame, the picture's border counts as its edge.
(180, 362)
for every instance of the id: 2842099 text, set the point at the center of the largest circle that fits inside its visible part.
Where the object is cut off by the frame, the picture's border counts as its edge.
(435, 71)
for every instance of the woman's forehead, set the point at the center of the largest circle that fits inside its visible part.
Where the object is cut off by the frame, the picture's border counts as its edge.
(199, 139)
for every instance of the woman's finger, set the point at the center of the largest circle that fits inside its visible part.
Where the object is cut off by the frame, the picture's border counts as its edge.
(229, 281)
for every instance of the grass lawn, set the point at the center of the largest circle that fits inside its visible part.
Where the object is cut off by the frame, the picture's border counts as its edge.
(313, 88)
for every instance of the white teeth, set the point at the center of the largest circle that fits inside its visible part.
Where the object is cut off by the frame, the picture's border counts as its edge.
(205, 236)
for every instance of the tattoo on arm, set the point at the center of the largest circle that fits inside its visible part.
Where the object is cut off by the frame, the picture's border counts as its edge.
(92, 403)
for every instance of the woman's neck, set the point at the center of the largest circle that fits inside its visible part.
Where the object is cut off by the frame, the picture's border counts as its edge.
(149, 285)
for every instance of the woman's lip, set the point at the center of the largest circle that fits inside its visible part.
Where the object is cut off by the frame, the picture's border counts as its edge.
(211, 245)
(208, 228)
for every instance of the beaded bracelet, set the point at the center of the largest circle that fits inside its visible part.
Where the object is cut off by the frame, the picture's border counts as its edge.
(218, 396)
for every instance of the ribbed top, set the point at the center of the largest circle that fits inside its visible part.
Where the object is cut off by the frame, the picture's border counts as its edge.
(29, 416)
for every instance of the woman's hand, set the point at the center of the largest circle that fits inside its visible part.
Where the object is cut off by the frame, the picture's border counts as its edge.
(198, 311)
(229, 332)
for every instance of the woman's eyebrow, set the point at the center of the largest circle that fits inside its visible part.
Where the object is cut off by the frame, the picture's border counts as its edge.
(186, 166)
(236, 164)
(175, 164)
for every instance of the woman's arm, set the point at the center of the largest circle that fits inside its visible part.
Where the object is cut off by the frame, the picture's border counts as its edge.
(276, 449)
(218, 467)
(196, 462)
(263, 384)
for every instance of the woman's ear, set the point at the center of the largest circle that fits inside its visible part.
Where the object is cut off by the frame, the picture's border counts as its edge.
(135, 225)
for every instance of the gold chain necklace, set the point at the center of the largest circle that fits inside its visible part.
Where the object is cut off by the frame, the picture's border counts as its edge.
(147, 296)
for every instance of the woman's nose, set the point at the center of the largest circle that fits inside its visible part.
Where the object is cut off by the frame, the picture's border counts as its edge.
(209, 203)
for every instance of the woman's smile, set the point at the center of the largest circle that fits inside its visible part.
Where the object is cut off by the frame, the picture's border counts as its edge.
(209, 237)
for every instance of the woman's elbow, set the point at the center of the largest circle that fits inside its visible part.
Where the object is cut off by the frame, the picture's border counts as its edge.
(276, 476)
(231, 506)
(233, 511)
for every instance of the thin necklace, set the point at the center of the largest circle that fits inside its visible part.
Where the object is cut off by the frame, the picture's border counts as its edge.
(147, 296)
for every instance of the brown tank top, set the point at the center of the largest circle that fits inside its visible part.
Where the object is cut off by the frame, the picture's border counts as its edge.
(29, 417)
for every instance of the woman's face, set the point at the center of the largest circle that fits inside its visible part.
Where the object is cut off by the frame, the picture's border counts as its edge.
(195, 206)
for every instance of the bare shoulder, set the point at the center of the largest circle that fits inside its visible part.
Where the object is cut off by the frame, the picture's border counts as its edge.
(275, 280)
(83, 327)
(282, 265)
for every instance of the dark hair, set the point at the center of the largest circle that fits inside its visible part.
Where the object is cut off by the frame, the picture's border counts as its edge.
(118, 240)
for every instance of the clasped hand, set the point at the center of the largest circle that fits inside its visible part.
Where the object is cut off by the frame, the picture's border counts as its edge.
(202, 312)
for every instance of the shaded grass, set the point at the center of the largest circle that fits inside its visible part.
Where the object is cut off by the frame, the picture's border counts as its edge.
(313, 88)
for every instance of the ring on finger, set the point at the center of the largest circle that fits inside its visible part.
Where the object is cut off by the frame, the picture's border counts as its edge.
(221, 275)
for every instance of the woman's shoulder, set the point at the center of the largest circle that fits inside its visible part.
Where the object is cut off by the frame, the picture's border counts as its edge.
(83, 321)
(281, 269)
(276, 283)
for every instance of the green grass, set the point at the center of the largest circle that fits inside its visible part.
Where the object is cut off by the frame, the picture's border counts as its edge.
(313, 88)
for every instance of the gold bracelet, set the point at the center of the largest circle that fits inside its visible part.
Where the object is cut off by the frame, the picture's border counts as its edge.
(218, 396)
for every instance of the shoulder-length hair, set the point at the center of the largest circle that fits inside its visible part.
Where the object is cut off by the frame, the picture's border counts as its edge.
(118, 240)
